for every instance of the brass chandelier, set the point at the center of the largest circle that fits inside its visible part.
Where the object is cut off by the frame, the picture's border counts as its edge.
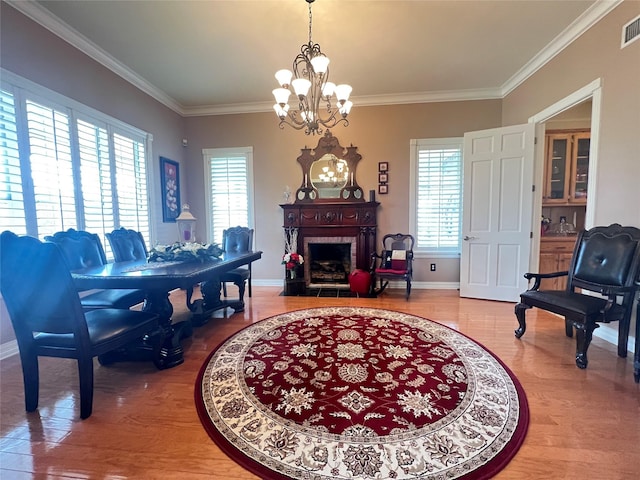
(312, 88)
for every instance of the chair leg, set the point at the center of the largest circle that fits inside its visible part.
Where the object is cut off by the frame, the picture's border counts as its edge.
(224, 289)
(623, 335)
(520, 310)
(85, 371)
(568, 328)
(241, 288)
(31, 379)
(408, 288)
(249, 282)
(584, 334)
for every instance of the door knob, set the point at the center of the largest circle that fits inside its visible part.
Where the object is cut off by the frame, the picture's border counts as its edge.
(466, 238)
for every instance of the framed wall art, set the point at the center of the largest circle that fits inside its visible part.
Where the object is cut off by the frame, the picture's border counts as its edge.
(383, 189)
(170, 188)
(383, 166)
(383, 177)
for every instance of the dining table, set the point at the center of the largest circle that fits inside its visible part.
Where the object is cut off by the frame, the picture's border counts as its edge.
(158, 279)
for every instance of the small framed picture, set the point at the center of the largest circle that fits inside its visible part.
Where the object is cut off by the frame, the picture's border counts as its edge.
(383, 177)
(383, 166)
(383, 189)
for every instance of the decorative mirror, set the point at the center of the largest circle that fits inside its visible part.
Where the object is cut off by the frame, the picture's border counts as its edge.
(329, 172)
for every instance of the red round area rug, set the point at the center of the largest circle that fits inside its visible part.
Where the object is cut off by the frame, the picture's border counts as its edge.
(347, 392)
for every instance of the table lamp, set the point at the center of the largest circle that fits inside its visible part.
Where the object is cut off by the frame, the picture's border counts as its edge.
(186, 225)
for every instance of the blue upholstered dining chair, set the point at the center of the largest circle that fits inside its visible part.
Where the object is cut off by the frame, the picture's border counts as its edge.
(82, 249)
(49, 320)
(127, 245)
(237, 239)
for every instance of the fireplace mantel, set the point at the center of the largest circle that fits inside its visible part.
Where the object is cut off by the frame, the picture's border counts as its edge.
(336, 219)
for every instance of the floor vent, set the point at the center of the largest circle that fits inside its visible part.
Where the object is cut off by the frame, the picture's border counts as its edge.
(631, 32)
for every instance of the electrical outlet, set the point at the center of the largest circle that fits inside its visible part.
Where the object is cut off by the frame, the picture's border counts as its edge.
(433, 267)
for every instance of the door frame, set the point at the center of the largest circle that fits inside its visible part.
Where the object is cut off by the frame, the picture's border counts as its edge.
(591, 91)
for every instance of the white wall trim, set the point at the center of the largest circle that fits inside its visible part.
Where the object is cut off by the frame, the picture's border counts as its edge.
(8, 349)
(46, 19)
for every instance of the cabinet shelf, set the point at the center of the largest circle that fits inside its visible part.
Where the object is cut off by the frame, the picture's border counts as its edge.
(566, 167)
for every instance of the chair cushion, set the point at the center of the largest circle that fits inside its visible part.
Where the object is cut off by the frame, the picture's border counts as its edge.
(104, 325)
(114, 298)
(563, 302)
(399, 259)
(235, 275)
(390, 271)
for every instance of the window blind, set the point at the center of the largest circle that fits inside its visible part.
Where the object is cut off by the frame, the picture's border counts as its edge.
(51, 168)
(11, 195)
(65, 165)
(438, 196)
(228, 172)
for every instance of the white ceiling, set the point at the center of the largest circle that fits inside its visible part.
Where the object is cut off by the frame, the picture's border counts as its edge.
(219, 56)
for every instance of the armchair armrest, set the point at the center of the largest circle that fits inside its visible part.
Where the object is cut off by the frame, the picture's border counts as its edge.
(538, 277)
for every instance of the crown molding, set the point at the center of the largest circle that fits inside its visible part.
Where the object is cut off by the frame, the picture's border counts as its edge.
(584, 22)
(45, 18)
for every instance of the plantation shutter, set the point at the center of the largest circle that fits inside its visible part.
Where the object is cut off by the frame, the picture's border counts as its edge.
(438, 197)
(229, 191)
(131, 184)
(51, 168)
(12, 215)
(95, 178)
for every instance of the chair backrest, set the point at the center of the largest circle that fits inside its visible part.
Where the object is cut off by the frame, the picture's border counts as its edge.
(608, 256)
(38, 290)
(237, 239)
(398, 250)
(127, 245)
(80, 249)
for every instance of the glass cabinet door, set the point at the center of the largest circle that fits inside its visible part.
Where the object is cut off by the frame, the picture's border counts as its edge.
(580, 168)
(559, 149)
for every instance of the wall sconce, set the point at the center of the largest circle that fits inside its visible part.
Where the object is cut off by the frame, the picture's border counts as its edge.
(186, 225)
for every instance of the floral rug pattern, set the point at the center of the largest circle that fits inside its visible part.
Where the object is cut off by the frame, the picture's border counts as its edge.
(344, 392)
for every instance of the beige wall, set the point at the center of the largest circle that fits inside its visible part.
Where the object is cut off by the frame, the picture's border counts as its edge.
(597, 54)
(381, 133)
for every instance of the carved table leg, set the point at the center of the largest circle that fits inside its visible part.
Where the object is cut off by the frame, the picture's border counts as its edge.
(162, 346)
(171, 353)
(520, 310)
(202, 308)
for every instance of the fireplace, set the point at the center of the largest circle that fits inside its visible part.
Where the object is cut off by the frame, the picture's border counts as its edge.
(335, 239)
(330, 260)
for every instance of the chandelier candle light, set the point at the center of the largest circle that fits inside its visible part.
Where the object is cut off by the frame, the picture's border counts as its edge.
(311, 86)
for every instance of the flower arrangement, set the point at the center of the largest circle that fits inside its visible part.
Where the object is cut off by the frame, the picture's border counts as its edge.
(185, 252)
(291, 261)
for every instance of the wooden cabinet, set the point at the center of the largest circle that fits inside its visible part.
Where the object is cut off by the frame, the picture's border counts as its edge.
(555, 256)
(566, 167)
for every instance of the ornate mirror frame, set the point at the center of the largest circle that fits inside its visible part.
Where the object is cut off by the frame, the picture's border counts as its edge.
(329, 145)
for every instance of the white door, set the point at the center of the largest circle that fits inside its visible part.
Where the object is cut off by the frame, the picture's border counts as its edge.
(496, 212)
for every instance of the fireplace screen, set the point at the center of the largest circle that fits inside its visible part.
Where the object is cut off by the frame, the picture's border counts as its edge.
(329, 263)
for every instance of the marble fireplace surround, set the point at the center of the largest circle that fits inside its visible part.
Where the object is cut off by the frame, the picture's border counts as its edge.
(325, 240)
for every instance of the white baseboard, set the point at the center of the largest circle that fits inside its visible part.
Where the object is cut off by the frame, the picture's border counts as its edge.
(8, 349)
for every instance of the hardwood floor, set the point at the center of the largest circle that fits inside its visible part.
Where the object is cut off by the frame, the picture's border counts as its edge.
(585, 424)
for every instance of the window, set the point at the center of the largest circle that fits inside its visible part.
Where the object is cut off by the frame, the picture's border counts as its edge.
(436, 196)
(64, 166)
(229, 185)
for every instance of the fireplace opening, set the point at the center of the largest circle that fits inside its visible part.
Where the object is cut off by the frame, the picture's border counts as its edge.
(329, 263)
